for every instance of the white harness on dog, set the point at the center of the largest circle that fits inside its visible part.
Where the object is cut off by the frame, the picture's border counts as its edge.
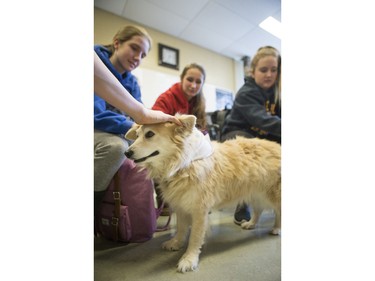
(201, 144)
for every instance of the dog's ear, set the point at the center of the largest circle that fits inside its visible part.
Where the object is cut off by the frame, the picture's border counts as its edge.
(132, 132)
(188, 123)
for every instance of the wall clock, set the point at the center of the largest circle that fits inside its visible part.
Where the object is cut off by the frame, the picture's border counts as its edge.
(168, 56)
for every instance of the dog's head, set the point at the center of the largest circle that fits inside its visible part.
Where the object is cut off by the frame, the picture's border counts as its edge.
(157, 146)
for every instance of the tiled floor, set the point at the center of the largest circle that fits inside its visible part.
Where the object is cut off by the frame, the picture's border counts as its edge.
(230, 253)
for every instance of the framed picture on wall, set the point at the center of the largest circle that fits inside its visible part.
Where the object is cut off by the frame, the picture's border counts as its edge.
(169, 56)
(224, 99)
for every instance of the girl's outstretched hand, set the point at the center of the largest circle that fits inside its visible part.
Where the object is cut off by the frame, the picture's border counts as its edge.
(150, 116)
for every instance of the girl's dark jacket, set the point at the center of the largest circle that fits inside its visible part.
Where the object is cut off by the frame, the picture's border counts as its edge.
(254, 111)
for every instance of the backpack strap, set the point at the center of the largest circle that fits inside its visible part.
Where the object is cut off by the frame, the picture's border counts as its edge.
(116, 212)
(158, 212)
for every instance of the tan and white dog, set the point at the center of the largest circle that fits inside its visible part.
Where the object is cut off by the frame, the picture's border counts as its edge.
(195, 177)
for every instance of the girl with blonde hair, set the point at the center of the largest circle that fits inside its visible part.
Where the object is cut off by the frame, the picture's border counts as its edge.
(129, 47)
(256, 112)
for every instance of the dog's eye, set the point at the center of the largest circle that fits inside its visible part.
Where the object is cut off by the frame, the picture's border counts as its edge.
(149, 134)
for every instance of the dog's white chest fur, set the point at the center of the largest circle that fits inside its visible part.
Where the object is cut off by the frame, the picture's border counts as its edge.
(198, 146)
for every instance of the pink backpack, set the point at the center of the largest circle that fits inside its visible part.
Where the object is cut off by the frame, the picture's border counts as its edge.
(127, 212)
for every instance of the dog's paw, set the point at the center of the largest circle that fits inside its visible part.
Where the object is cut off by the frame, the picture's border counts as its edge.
(248, 225)
(188, 263)
(276, 231)
(171, 245)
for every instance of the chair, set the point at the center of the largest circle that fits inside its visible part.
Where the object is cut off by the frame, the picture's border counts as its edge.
(217, 118)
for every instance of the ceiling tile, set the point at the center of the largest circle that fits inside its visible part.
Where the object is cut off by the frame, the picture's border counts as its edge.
(216, 18)
(113, 6)
(148, 14)
(185, 9)
(205, 38)
(277, 15)
(254, 11)
(258, 38)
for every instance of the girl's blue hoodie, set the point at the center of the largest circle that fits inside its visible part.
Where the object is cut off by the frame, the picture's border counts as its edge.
(106, 117)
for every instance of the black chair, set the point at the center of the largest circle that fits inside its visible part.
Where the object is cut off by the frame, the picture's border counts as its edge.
(217, 118)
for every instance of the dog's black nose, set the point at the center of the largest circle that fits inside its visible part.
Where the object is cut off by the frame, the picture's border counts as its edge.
(129, 153)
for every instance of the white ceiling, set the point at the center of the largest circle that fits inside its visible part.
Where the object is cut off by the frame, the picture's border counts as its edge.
(228, 27)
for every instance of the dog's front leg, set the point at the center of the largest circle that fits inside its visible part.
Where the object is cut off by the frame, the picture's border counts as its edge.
(183, 223)
(189, 261)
